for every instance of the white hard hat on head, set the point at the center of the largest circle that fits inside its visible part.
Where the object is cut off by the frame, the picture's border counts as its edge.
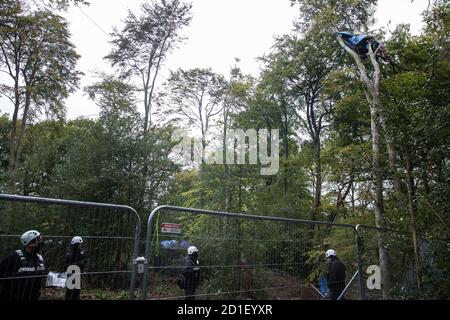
(192, 249)
(29, 236)
(76, 240)
(330, 253)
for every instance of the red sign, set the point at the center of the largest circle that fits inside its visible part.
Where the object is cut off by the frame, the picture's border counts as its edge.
(170, 228)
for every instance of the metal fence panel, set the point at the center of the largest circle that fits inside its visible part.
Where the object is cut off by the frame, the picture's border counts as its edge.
(243, 256)
(401, 268)
(110, 233)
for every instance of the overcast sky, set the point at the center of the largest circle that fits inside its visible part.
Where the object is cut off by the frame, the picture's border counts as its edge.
(221, 30)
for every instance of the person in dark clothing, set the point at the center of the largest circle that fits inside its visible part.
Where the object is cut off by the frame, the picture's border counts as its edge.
(25, 268)
(335, 276)
(191, 273)
(75, 257)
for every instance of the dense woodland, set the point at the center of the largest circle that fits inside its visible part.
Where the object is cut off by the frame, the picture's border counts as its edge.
(361, 141)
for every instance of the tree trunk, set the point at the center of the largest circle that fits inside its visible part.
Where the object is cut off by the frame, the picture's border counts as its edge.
(286, 149)
(353, 197)
(13, 141)
(146, 110)
(372, 88)
(240, 198)
(392, 152)
(412, 206)
(228, 194)
(226, 166)
(201, 173)
(379, 206)
(318, 180)
(286, 157)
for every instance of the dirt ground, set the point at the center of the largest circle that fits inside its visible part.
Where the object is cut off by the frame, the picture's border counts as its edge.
(278, 286)
(292, 288)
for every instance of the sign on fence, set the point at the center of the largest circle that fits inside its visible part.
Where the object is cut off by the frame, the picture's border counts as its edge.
(170, 228)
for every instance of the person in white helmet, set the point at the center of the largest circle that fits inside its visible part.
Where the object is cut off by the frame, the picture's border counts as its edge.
(335, 275)
(74, 257)
(26, 268)
(191, 273)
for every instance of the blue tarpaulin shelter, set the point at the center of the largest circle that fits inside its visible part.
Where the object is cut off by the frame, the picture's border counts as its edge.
(360, 44)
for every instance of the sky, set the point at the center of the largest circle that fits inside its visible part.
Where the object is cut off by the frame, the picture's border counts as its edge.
(221, 30)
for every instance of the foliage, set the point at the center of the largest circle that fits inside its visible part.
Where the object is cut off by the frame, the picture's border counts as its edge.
(308, 89)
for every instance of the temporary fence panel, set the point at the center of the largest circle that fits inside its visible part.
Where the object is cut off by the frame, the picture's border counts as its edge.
(243, 256)
(111, 242)
(400, 268)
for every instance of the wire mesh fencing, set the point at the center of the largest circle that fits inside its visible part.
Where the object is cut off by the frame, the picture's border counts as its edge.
(392, 275)
(111, 239)
(434, 271)
(241, 256)
(244, 257)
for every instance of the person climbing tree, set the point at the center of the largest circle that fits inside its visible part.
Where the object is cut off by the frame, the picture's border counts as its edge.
(360, 44)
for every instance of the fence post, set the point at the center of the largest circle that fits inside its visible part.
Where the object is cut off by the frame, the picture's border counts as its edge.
(135, 254)
(147, 251)
(362, 288)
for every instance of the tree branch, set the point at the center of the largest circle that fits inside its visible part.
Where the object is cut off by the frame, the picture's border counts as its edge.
(362, 68)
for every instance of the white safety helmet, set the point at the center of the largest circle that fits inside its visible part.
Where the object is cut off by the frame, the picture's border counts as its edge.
(29, 236)
(192, 249)
(76, 240)
(330, 253)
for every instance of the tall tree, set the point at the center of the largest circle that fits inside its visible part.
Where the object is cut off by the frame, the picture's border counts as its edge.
(135, 168)
(40, 61)
(333, 16)
(144, 43)
(60, 4)
(417, 107)
(341, 14)
(302, 66)
(230, 103)
(372, 91)
(275, 84)
(197, 97)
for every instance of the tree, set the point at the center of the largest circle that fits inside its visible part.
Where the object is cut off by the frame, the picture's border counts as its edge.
(418, 109)
(129, 156)
(342, 15)
(230, 104)
(347, 149)
(62, 4)
(113, 96)
(372, 91)
(144, 43)
(196, 97)
(275, 85)
(300, 67)
(5, 129)
(40, 61)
